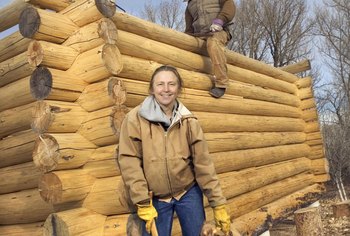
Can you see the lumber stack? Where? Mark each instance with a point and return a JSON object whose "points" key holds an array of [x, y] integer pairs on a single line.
{"points": [[76, 72]]}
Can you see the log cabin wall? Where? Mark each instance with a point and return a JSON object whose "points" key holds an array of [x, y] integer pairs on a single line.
{"points": [[72, 72]]}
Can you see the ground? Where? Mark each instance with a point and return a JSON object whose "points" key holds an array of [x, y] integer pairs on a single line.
{"points": [[331, 226]]}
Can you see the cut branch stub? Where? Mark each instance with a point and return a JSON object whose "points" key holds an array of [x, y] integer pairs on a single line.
{"points": [[40, 83], [106, 7], [117, 90], [29, 22]]}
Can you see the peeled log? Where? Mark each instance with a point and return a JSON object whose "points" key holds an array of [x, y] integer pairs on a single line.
{"points": [[308, 222], [220, 142], [46, 83], [56, 116], [103, 94], [304, 82], [244, 123], [193, 44], [141, 69], [61, 151], [86, 11], [305, 93], [12, 45], [98, 63], [78, 221], [103, 163], [241, 159], [18, 177], [310, 115], [105, 197], [93, 35], [257, 219], [102, 127], [14, 69], [138, 46], [35, 229], [15, 119], [196, 100], [308, 103], [253, 178], [23, 207], [320, 166], [65, 186], [298, 67], [312, 126], [51, 55], [45, 25], [15, 94], [17, 148]]}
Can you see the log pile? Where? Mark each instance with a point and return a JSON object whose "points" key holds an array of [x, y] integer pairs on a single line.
{"points": [[76, 70]]}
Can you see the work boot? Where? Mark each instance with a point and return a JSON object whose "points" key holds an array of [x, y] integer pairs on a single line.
{"points": [[217, 92]]}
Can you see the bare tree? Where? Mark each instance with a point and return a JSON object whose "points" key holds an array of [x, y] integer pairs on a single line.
{"points": [[168, 13], [276, 31], [333, 21]]}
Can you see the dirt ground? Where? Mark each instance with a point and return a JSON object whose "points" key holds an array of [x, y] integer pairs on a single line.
{"points": [[331, 226]]}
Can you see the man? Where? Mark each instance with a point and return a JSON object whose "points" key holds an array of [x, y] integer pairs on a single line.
{"points": [[209, 20]]}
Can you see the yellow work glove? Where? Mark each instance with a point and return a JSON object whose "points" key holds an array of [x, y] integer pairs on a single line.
{"points": [[147, 213], [222, 219]]}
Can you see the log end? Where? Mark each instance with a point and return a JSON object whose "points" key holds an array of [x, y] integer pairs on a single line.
{"points": [[107, 30], [50, 188], [29, 22], [112, 58], [106, 7], [117, 117], [35, 53], [46, 154], [42, 117], [40, 83], [117, 90]]}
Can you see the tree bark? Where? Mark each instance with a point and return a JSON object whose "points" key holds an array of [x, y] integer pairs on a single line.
{"points": [[34, 229], [103, 162], [45, 25], [65, 186], [298, 67], [308, 222], [93, 35], [12, 45], [17, 148], [14, 69], [156, 32], [141, 47], [261, 217], [78, 221], [197, 100], [23, 207], [57, 117], [87, 11], [18, 177], [51, 55], [15, 119], [61, 151], [98, 63], [102, 127], [46, 83], [341, 209]]}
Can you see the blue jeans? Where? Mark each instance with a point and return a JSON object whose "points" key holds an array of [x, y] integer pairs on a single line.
{"points": [[189, 209]]}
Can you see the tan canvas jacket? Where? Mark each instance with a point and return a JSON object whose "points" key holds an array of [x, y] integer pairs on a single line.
{"points": [[166, 162]]}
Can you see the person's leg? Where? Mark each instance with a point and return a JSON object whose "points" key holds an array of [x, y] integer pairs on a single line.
{"points": [[216, 50], [190, 211], [164, 221]]}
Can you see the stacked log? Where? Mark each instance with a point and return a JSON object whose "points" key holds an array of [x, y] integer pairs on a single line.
{"points": [[76, 79]]}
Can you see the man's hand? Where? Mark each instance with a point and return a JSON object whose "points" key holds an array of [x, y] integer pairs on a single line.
{"points": [[217, 25], [147, 213]]}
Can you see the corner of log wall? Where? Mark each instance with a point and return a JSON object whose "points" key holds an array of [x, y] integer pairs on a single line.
{"points": [[67, 81]]}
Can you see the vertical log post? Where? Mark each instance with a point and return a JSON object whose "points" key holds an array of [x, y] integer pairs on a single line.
{"points": [[308, 222]]}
